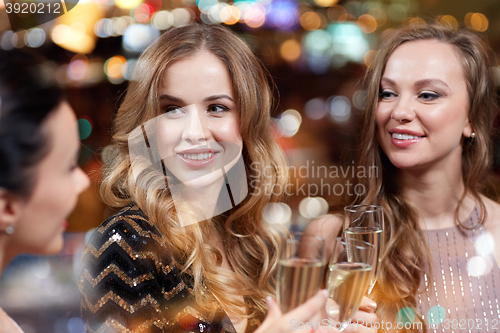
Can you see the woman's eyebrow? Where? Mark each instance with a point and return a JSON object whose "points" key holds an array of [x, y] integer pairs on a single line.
{"points": [[424, 82], [215, 97], [172, 98]]}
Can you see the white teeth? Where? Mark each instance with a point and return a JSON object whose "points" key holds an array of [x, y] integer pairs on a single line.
{"points": [[404, 136], [197, 157]]}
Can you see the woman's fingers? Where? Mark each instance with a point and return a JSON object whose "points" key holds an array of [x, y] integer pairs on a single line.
{"points": [[367, 305]]}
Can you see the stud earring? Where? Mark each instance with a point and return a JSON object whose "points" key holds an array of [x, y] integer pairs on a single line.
{"points": [[10, 230], [473, 135]]}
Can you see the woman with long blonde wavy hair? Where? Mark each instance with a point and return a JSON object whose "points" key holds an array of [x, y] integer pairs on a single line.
{"points": [[431, 104], [191, 162]]}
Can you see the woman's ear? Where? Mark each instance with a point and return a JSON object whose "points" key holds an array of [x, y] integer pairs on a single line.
{"points": [[467, 132], [10, 210]]}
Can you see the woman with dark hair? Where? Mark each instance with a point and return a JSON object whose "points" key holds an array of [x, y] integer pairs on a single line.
{"points": [[431, 105], [190, 162], [39, 176]]}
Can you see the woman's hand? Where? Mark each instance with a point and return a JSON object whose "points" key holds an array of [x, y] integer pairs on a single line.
{"points": [[364, 319], [296, 320]]}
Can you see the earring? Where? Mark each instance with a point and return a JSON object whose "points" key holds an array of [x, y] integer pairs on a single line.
{"points": [[10, 230], [473, 135]]}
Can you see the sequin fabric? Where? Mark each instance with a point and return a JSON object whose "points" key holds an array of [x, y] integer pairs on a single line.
{"points": [[130, 283], [461, 295]]}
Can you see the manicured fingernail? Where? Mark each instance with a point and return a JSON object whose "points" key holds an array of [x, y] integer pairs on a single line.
{"points": [[372, 305], [269, 302], [325, 293]]}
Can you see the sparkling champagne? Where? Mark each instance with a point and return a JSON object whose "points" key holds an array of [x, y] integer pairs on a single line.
{"points": [[298, 280], [372, 235], [347, 284]]}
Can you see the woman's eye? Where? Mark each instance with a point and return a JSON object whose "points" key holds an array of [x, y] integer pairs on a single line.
{"points": [[173, 109], [384, 94], [217, 108], [428, 96]]}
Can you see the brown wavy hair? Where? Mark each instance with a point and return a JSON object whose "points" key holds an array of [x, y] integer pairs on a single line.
{"points": [[404, 258], [250, 244]]}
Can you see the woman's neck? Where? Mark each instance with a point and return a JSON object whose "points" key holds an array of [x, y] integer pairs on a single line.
{"points": [[436, 193]]}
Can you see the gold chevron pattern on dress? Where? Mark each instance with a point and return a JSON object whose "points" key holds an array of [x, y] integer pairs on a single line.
{"points": [[154, 295], [112, 268], [132, 254], [143, 328], [113, 297]]}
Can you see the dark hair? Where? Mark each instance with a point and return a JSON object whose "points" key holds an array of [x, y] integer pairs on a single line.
{"points": [[27, 98]]}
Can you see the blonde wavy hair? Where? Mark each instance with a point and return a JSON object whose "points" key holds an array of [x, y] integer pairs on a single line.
{"points": [[405, 259], [250, 244]]}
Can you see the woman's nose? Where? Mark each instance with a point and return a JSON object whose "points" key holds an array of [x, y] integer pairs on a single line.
{"points": [[403, 110], [194, 130]]}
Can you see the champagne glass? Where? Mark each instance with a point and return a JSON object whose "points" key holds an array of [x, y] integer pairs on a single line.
{"points": [[349, 276], [366, 223], [300, 270]]}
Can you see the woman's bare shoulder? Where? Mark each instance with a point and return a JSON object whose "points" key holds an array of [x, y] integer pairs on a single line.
{"points": [[492, 210]]}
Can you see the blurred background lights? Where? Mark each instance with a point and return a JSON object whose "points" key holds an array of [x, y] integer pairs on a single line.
{"points": [[277, 213], [367, 23], [35, 37], [76, 32], [359, 99], [128, 69], [230, 15], [60, 33], [313, 207], [479, 266], [205, 5], [255, 16], [449, 21], [78, 68], [317, 41], [339, 108], [113, 67], [143, 13], [138, 36], [348, 40], [182, 17], [119, 26], [369, 57], [476, 22], [162, 20], [326, 3], [8, 40], [127, 4], [214, 14], [289, 123], [315, 108], [84, 127], [290, 50], [283, 14], [312, 21]]}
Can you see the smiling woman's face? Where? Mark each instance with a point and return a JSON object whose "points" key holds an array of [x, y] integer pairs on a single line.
{"points": [[198, 134], [422, 114]]}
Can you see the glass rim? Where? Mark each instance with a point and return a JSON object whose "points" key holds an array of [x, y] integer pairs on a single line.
{"points": [[370, 208], [295, 233]]}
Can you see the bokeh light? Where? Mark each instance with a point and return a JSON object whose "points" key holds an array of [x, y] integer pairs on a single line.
{"points": [[78, 67], [367, 23], [182, 16], [369, 57], [113, 67], [339, 108], [277, 213], [289, 123], [84, 128], [138, 36], [479, 22], [312, 21], [479, 266], [35, 37], [162, 20], [290, 50], [313, 207], [127, 4], [326, 3], [142, 13], [359, 99], [8, 40], [60, 33], [449, 21], [230, 15], [255, 16], [315, 108]]}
